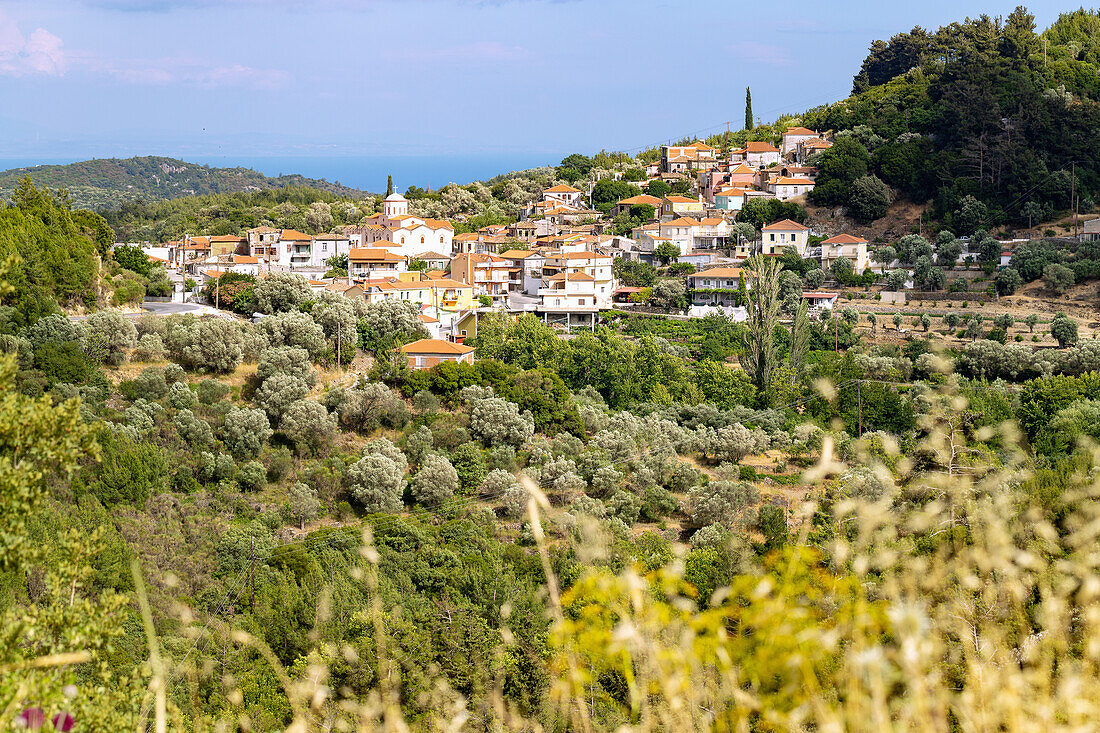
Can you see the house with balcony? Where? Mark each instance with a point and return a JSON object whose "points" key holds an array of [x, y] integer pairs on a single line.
{"points": [[685, 158], [439, 293], [716, 286], [776, 237], [525, 271], [596, 266], [844, 245], [295, 249], [370, 262], [488, 274], [435, 260], [570, 299], [808, 148]]}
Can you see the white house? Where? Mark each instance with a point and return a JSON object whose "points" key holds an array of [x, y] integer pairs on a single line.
{"points": [[326, 246], [716, 286], [413, 235], [367, 262], [845, 245], [782, 234], [526, 269], [787, 188], [562, 193], [597, 267], [760, 154], [793, 137]]}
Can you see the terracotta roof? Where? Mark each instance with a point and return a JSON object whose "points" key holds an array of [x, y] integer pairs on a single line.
{"points": [[786, 225], [294, 236], [742, 170], [642, 199], [427, 319], [575, 276], [712, 221], [515, 254], [718, 272], [820, 295], [561, 188], [761, 147], [432, 256], [340, 287], [262, 230], [225, 238], [799, 131], [683, 221], [436, 346], [844, 239], [785, 181], [681, 200], [373, 254], [731, 192]]}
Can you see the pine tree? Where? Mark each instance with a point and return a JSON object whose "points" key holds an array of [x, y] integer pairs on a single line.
{"points": [[748, 108], [389, 185]]}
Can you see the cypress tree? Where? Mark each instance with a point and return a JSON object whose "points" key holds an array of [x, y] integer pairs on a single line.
{"points": [[389, 185], [748, 109]]}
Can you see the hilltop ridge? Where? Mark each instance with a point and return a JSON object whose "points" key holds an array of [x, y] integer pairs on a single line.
{"points": [[107, 183]]}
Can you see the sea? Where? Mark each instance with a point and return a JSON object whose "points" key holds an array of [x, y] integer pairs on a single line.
{"points": [[363, 172]]}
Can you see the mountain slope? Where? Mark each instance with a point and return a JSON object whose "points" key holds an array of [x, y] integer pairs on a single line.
{"points": [[109, 182]]}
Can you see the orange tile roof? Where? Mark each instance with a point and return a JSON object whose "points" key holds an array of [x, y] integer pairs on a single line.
{"points": [[683, 221], [642, 199], [681, 200], [436, 346], [844, 239], [575, 276], [799, 131], [292, 235], [786, 225], [784, 181], [373, 254], [712, 221], [225, 238], [742, 170], [561, 188], [718, 272], [761, 147], [516, 253]]}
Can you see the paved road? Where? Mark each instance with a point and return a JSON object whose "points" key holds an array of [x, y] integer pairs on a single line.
{"points": [[169, 309]]}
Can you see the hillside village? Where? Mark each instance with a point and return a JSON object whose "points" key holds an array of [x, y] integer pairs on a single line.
{"points": [[568, 258]]}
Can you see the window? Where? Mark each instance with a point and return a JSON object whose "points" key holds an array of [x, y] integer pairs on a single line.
{"points": [[772, 237], [580, 301], [422, 240]]}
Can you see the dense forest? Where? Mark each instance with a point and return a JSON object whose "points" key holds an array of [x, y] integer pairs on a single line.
{"points": [[107, 183]]}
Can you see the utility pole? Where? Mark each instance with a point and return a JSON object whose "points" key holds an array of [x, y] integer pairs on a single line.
{"points": [[252, 574], [339, 343], [1073, 192], [859, 408], [218, 281]]}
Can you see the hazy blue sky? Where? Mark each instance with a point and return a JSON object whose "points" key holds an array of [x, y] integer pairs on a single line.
{"points": [[85, 78]]}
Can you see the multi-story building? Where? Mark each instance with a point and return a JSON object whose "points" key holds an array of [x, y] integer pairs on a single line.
{"points": [[776, 237], [596, 266], [844, 245], [488, 274], [412, 235], [787, 188], [679, 205], [795, 136], [525, 271], [369, 262], [716, 286]]}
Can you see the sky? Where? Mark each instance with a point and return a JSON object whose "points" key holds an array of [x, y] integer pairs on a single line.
{"points": [[250, 79]]}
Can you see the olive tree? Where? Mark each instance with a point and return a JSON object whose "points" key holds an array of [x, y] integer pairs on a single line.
{"points": [[336, 316], [281, 291], [295, 329], [377, 482], [244, 431], [1063, 329], [113, 333], [722, 502], [496, 421], [304, 505], [181, 397], [435, 482], [290, 360], [308, 425], [1058, 278], [278, 393], [56, 329], [390, 320], [215, 344], [373, 404], [193, 430]]}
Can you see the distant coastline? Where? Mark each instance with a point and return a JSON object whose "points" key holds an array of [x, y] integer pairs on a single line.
{"points": [[364, 172]]}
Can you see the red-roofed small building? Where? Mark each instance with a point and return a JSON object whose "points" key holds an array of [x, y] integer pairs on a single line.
{"points": [[788, 188], [427, 353], [562, 193], [793, 137]]}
